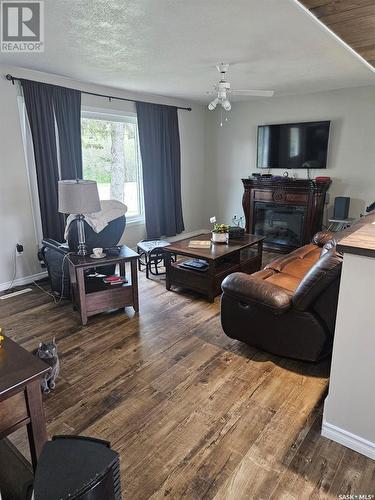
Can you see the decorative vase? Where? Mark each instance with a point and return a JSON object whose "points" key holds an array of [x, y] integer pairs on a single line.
{"points": [[220, 237]]}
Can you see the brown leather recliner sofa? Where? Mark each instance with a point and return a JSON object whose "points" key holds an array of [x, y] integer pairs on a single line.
{"points": [[289, 307]]}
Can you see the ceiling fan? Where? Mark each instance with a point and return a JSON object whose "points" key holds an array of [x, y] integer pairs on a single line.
{"points": [[222, 90]]}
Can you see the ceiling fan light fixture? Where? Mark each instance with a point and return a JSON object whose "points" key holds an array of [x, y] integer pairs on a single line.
{"points": [[223, 90], [222, 94], [222, 67], [226, 105], [213, 104]]}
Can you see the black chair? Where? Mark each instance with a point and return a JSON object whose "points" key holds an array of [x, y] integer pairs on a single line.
{"points": [[152, 254], [77, 467], [54, 253]]}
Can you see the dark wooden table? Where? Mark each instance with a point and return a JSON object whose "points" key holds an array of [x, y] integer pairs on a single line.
{"points": [[91, 296], [243, 255], [21, 396]]}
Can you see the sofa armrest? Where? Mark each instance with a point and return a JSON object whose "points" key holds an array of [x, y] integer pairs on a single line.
{"points": [[326, 270], [54, 245], [249, 290], [323, 237]]}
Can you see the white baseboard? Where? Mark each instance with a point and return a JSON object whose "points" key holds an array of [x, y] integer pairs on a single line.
{"points": [[25, 280], [348, 439]]}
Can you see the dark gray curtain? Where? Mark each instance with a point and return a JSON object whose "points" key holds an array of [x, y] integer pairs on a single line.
{"points": [[48, 106], [39, 106], [159, 141], [67, 105]]}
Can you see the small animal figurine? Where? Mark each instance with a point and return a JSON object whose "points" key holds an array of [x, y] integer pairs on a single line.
{"points": [[47, 351]]}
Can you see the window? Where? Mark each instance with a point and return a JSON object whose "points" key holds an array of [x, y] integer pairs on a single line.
{"points": [[110, 152]]}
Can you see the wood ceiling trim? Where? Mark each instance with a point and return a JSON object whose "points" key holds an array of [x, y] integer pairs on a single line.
{"points": [[326, 7], [362, 13], [351, 20]]}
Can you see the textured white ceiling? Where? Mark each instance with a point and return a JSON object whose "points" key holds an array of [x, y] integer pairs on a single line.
{"points": [[170, 47]]}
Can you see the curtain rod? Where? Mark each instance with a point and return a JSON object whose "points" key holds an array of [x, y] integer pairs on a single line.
{"points": [[12, 79]]}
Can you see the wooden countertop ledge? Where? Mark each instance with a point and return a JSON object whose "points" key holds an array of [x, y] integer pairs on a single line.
{"points": [[360, 242]]}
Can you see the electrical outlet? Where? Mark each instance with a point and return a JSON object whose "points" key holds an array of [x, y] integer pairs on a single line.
{"points": [[238, 220]]}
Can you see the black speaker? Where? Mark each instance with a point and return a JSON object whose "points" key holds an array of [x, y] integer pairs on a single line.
{"points": [[341, 207]]}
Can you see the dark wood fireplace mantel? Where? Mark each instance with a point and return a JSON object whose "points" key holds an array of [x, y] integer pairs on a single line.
{"points": [[297, 205]]}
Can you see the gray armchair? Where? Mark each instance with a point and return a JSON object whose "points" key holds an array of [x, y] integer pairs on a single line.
{"points": [[53, 252]]}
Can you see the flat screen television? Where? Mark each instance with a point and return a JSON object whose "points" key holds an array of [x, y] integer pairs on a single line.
{"points": [[293, 145]]}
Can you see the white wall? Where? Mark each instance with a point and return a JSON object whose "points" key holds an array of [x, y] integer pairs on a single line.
{"points": [[231, 149], [16, 222], [349, 410]]}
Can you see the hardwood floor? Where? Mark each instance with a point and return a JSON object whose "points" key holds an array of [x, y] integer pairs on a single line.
{"points": [[192, 413]]}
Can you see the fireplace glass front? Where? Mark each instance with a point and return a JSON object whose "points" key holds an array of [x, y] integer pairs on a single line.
{"points": [[280, 224]]}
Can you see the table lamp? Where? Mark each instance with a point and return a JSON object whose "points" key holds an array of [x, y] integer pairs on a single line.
{"points": [[79, 197]]}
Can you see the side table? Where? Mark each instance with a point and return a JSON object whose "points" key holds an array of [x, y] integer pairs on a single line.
{"points": [[91, 295], [21, 395]]}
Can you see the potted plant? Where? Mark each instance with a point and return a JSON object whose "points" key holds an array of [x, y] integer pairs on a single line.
{"points": [[220, 233]]}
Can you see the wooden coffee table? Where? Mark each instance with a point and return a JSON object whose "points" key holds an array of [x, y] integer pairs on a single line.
{"points": [[243, 255]]}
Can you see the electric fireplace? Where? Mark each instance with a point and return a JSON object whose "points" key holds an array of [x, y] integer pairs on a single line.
{"points": [[280, 224], [288, 212]]}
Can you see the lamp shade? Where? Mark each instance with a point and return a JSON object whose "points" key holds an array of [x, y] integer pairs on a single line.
{"points": [[78, 197]]}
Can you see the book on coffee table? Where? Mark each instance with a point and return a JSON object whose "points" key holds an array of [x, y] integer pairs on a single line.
{"points": [[199, 244], [196, 264]]}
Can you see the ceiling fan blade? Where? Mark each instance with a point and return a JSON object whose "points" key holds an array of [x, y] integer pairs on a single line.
{"points": [[255, 93]]}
